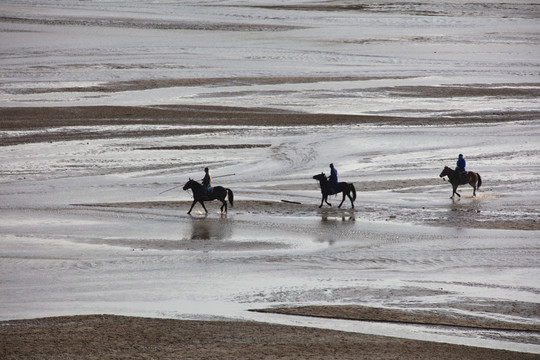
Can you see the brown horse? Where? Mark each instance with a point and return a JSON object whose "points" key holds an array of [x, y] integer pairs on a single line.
{"points": [[470, 178], [346, 188], [200, 195]]}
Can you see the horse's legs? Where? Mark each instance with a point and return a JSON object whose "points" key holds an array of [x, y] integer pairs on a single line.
{"points": [[350, 198], [473, 184], [224, 205], [204, 207], [192, 205], [326, 200], [342, 200], [455, 192]]}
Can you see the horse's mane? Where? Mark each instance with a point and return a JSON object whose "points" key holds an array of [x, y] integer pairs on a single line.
{"points": [[195, 182]]}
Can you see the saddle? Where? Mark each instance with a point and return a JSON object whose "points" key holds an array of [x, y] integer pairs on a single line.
{"points": [[207, 194], [463, 178], [331, 190]]}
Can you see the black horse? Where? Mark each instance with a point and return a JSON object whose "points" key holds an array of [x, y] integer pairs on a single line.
{"points": [[200, 195], [342, 187], [470, 178]]}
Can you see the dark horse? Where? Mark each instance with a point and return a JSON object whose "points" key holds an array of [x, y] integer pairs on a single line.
{"points": [[470, 178], [200, 195], [341, 187]]}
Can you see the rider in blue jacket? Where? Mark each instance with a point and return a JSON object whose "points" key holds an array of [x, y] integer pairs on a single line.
{"points": [[333, 176], [461, 163], [460, 166]]}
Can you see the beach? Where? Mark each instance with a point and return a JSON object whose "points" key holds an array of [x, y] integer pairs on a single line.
{"points": [[108, 108]]}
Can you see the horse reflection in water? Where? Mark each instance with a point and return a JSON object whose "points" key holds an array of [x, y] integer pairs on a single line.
{"points": [[334, 216], [210, 229]]}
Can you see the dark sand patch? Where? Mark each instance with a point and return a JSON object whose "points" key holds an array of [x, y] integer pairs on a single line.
{"points": [[417, 8], [144, 23], [146, 84], [52, 124], [207, 147], [26, 118], [118, 337], [426, 317], [525, 91]]}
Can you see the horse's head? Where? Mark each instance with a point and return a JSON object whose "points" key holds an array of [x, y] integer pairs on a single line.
{"points": [[189, 184], [446, 171], [320, 177]]}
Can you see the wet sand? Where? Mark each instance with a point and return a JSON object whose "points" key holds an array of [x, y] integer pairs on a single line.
{"points": [[118, 337]]}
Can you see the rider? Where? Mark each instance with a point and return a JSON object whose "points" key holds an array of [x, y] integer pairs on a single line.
{"points": [[333, 176], [207, 180], [460, 167]]}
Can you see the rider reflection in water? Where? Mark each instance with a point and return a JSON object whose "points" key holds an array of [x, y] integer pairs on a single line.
{"points": [[333, 176], [207, 180]]}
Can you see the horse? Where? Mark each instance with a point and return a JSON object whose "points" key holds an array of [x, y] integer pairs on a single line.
{"points": [[341, 187], [470, 178], [201, 195]]}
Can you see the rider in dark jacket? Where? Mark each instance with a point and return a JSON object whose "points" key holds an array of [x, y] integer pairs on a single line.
{"points": [[207, 179]]}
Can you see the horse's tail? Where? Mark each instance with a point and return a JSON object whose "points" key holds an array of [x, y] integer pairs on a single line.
{"points": [[353, 190], [231, 196], [479, 181]]}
